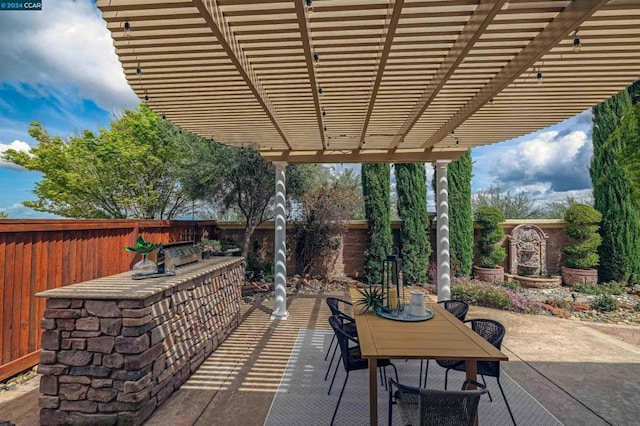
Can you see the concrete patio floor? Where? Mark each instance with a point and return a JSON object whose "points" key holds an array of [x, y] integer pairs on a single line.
{"points": [[582, 375]]}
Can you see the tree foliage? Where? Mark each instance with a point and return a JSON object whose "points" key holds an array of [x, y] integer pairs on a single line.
{"points": [[490, 253], [583, 228], [377, 205], [612, 191], [239, 179], [415, 247], [3, 215], [461, 221], [127, 171], [323, 220], [513, 206]]}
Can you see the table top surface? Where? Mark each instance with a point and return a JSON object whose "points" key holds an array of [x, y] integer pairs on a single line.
{"points": [[442, 337], [122, 286]]}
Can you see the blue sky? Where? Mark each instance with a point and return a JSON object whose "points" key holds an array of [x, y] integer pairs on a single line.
{"points": [[59, 68]]}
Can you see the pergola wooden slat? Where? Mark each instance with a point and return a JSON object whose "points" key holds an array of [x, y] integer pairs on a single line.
{"points": [[395, 80]]}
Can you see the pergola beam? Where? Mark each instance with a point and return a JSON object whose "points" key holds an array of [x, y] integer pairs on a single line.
{"points": [[568, 20], [391, 32], [305, 37], [473, 29], [363, 156], [219, 26]]}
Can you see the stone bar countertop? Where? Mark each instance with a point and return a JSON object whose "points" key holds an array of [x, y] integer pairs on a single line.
{"points": [[122, 286]]}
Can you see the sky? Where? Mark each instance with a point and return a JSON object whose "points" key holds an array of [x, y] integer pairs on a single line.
{"points": [[59, 68]]}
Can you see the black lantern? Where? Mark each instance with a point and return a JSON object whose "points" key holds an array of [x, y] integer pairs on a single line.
{"points": [[391, 286]]}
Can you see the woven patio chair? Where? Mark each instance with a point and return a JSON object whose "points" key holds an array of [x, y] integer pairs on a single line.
{"points": [[493, 332], [458, 309], [349, 327], [351, 357], [420, 407]]}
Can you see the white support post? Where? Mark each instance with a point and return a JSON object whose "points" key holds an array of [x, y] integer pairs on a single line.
{"points": [[442, 236], [280, 249]]}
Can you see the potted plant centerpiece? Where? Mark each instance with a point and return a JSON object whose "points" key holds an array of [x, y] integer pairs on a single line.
{"points": [[489, 253], [210, 247], [145, 266], [581, 257]]}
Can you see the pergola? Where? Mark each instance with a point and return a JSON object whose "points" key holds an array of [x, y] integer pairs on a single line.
{"points": [[352, 81]]}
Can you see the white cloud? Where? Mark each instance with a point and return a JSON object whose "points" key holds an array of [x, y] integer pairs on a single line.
{"points": [[556, 158], [66, 46], [15, 145], [18, 211]]}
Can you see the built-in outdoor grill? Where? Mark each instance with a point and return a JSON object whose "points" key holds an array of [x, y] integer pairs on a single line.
{"points": [[178, 254]]}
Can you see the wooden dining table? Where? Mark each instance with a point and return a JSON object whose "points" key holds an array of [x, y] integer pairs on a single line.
{"points": [[441, 337]]}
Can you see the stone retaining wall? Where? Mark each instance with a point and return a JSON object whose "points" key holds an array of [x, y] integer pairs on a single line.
{"points": [[115, 361]]}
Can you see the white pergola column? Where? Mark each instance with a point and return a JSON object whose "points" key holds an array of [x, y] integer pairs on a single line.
{"points": [[442, 236], [280, 246]]}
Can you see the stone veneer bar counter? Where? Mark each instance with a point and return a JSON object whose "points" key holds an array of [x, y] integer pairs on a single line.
{"points": [[113, 349]]}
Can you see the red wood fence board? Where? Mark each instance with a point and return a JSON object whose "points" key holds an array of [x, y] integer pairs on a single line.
{"points": [[36, 255]]}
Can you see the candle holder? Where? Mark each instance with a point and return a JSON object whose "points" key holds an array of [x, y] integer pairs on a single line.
{"points": [[392, 289]]}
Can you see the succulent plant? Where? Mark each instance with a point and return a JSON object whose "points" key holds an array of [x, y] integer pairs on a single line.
{"points": [[371, 296], [142, 246]]}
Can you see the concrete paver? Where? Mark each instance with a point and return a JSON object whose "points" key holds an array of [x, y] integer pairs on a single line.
{"points": [[582, 375]]}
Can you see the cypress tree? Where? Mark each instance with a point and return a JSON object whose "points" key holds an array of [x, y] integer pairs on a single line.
{"points": [[415, 246], [377, 206], [612, 193], [461, 219], [634, 92]]}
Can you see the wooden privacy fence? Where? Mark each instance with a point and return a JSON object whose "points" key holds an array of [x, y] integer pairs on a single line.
{"points": [[37, 255]]}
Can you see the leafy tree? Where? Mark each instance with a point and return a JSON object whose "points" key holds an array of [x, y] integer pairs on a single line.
{"points": [[513, 206], [239, 179], [323, 221], [127, 171], [612, 191], [557, 209], [377, 206], [3, 215], [461, 221], [351, 181], [415, 247]]}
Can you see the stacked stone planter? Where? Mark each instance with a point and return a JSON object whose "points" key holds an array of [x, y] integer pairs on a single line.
{"points": [[114, 359]]}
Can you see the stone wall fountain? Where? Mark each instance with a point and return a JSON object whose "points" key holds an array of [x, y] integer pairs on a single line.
{"points": [[528, 258]]}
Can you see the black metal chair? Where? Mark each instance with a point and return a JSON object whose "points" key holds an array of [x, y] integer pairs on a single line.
{"points": [[349, 327], [458, 309], [419, 407], [351, 357], [493, 332]]}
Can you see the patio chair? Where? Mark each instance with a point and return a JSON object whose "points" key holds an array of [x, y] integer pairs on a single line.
{"points": [[349, 327], [458, 309], [493, 332], [351, 357], [419, 407]]}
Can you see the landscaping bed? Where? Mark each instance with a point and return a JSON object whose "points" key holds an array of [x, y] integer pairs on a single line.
{"points": [[507, 296]]}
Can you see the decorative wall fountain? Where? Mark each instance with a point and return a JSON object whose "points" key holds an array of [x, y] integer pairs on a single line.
{"points": [[528, 257]]}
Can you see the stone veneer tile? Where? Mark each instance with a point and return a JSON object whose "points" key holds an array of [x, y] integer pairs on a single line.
{"points": [[103, 344], [102, 308], [132, 345], [142, 350]]}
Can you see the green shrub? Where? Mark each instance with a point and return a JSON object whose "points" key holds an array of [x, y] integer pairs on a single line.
{"points": [[511, 285], [604, 303], [606, 288], [561, 303], [490, 253], [583, 229]]}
